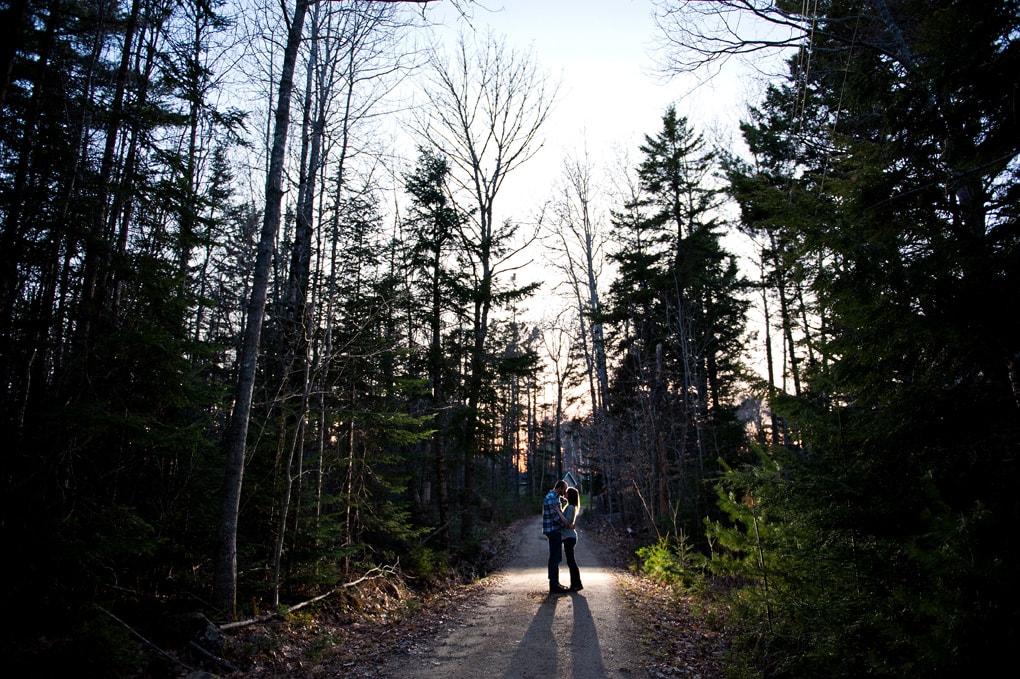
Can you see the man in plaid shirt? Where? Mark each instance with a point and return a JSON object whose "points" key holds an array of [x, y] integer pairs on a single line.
{"points": [[552, 521]]}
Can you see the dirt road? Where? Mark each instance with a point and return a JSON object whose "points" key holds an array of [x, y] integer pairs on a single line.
{"points": [[519, 630]]}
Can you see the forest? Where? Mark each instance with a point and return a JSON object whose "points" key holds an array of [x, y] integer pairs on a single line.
{"points": [[252, 347]]}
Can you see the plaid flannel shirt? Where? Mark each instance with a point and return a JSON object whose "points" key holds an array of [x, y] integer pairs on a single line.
{"points": [[550, 517]]}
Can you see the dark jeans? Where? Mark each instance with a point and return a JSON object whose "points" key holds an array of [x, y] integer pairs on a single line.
{"points": [[555, 555], [575, 573]]}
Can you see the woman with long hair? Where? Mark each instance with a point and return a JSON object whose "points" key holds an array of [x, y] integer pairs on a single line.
{"points": [[571, 512]]}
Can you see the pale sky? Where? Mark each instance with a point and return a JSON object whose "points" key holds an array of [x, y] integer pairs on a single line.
{"points": [[602, 53]]}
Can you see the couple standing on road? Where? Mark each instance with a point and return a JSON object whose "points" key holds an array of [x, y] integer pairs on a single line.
{"points": [[558, 524]]}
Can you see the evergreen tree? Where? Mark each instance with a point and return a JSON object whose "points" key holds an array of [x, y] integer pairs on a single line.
{"points": [[372, 387], [677, 302], [894, 501], [107, 406], [439, 294]]}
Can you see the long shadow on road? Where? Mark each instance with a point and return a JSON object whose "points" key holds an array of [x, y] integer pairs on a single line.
{"points": [[537, 653], [585, 636], [537, 650], [519, 631]]}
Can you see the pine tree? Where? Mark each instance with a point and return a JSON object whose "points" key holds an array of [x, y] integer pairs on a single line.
{"points": [[440, 292], [887, 195], [677, 300]]}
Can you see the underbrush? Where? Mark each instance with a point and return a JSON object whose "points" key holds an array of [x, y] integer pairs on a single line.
{"points": [[672, 561], [328, 619]]}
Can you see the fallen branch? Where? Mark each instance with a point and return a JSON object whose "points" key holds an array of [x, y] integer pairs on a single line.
{"points": [[372, 574], [209, 656], [145, 641]]}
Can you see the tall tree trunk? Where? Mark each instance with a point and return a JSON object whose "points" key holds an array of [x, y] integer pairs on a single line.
{"points": [[97, 245], [17, 372], [122, 208], [483, 301], [436, 364], [225, 577], [349, 493], [294, 452], [785, 316], [294, 367], [770, 366]]}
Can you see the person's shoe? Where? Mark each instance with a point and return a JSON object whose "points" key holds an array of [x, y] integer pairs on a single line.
{"points": [[576, 588], [558, 589]]}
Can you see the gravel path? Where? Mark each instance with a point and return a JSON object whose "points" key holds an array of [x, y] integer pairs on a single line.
{"points": [[518, 630]]}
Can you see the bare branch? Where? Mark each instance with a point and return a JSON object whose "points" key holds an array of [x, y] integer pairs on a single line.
{"points": [[698, 33], [488, 104], [694, 34], [372, 574], [145, 641]]}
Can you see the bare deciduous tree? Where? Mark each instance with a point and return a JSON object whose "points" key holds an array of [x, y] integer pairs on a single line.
{"points": [[577, 243], [487, 106], [225, 579]]}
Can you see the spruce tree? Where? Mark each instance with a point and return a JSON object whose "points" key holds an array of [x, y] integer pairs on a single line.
{"points": [[439, 298], [677, 305], [888, 195]]}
